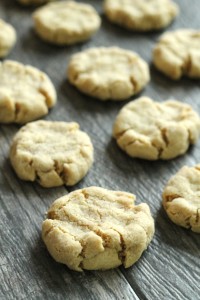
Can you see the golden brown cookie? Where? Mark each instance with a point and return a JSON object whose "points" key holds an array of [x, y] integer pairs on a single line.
{"points": [[7, 38], [108, 73], [141, 15], [153, 130], [26, 93], [177, 54], [66, 22], [181, 198], [52, 153], [94, 228]]}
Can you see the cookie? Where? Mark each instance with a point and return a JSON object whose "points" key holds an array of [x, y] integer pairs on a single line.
{"points": [[152, 130], [66, 22], [26, 93], [33, 2], [94, 228], [53, 153], [181, 198], [177, 54], [141, 15], [7, 38], [108, 73]]}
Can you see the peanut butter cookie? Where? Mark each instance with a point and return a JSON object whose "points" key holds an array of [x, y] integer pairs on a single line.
{"points": [[108, 73], [177, 54], [7, 38], [181, 198], [152, 130], [95, 228], [26, 93], [66, 22], [53, 153], [141, 15]]}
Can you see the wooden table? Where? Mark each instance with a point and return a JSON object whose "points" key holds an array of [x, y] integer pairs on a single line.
{"points": [[170, 268]]}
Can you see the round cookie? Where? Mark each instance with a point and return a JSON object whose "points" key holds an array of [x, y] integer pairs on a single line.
{"points": [[181, 198], [53, 153], [34, 2], [7, 38], [177, 54], [141, 15], [26, 93], [66, 22], [152, 130], [94, 228], [108, 73]]}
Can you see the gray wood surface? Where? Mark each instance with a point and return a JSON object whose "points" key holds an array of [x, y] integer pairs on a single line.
{"points": [[170, 268]]}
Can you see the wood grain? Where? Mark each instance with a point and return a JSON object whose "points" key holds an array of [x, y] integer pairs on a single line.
{"points": [[170, 268]]}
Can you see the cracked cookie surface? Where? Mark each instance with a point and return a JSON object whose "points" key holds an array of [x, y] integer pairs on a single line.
{"points": [[152, 130], [94, 228], [181, 198], [7, 38], [108, 73], [66, 22], [53, 153], [26, 93], [177, 54], [141, 15]]}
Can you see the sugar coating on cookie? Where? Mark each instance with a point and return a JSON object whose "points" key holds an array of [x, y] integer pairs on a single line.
{"points": [[141, 15], [52, 153], [34, 2], [181, 198], [177, 54], [7, 38], [153, 130], [108, 73], [94, 228], [26, 93], [66, 22]]}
